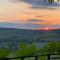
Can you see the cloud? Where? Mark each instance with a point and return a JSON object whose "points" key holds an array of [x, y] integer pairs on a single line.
{"points": [[38, 4], [27, 25], [15, 11], [28, 1], [34, 20], [43, 7], [20, 26], [11, 10]]}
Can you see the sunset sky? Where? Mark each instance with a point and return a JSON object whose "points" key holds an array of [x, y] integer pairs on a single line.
{"points": [[28, 14]]}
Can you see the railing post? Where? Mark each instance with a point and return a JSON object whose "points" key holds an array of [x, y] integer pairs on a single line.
{"points": [[48, 56], [22, 58], [36, 57]]}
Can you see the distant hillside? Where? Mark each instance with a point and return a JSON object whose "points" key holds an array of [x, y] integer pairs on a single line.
{"points": [[26, 35]]}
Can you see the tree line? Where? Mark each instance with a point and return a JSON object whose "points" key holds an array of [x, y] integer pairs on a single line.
{"points": [[31, 50]]}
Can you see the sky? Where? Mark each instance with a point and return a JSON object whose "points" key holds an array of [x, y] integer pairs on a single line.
{"points": [[29, 14]]}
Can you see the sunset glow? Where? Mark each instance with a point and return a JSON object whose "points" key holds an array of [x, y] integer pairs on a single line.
{"points": [[14, 11], [46, 28]]}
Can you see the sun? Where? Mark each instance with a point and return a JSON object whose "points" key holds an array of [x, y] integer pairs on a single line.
{"points": [[46, 28]]}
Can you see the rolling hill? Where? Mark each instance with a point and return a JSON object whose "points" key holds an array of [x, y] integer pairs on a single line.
{"points": [[11, 37], [12, 34]]}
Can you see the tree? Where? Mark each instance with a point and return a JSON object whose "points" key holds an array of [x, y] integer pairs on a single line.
{"points": [[58, 0], [51, 47], [26, 50], [50, 1], [31, 50], [4, 52]]}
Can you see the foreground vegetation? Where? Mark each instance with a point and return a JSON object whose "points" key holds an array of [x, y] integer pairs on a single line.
{"points": [[29, 50]]}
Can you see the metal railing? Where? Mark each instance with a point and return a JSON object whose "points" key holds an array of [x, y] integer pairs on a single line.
{"points": [[49, 57]]}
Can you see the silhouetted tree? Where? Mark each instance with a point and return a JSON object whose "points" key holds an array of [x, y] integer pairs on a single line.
{"points": [[50, 1], [58, 0]]}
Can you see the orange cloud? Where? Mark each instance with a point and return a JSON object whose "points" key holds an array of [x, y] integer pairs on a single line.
{"points": [[20, 13]]}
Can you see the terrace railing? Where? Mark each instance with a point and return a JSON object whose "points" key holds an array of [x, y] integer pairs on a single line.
{"points": [[49, 57]]}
